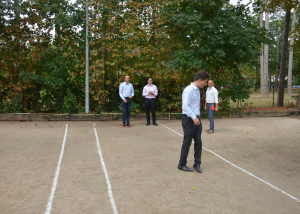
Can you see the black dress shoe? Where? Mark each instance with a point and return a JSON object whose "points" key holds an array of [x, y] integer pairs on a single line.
{"points": [[128, 125], [155, 124], [147, 124], [185, 168], [197, 168], [124, 125]]}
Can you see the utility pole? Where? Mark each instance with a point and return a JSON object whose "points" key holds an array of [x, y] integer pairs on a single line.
{"points": [[262, 54], [87, 99]]}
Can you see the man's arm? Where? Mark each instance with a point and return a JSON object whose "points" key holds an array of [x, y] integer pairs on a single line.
{"points": [[132, 91], [186, 99], [144, 94], [121, 91], [216, 99], [155, 92]]}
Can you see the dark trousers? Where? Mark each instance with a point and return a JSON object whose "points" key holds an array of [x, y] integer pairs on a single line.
{"points": [[150, 104], [191, 131], [126, 107]]}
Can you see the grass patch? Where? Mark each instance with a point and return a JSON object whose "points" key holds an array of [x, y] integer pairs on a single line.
{"points": [[258, 100]]}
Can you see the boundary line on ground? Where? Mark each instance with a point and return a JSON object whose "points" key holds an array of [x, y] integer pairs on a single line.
{"points": [[249, 173], [110, 194], [49, 204]]}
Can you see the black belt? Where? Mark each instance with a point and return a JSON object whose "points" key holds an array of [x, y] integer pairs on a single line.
{"points": [[195, 115], [210, 103], [150, 98], [126, 97]]}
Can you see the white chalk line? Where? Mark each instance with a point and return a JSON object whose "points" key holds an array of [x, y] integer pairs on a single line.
{"points": [[249, 173], [49, 204], [94, 124], [112, 201]]}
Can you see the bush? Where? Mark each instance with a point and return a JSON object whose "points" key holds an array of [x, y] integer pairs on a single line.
{"points": [[69, 102]]}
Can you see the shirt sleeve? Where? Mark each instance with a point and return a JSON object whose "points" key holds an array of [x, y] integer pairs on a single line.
{"points": [[121, 91], [186, 100], [155, 91], [206, 95], [132, 90], [144, 92], [216, 96]]}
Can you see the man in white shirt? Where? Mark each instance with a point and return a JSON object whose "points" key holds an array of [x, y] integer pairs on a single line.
{"points": [[192, 126], [211, 104], [126, 93], [150, 92]]}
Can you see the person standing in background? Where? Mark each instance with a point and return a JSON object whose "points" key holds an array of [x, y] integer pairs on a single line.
{"points": [[126, 93], [211, 104], [150, 92]]}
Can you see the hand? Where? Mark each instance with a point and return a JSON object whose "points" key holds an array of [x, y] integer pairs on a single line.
{"points": [[196, 122], [217, 109], [130, 97], [149, 92], [204, 107], [125, 101]]}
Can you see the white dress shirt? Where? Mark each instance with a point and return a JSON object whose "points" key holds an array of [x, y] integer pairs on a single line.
{"points": [[149, 88], [212, 95], [126, 90], [191, 101]]}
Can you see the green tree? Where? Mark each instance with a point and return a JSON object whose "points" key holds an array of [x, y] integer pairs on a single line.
{"points": [[217, 37]]}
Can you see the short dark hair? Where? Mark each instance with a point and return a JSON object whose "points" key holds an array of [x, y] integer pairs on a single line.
{"points": [[150, 78], [203, 75]]}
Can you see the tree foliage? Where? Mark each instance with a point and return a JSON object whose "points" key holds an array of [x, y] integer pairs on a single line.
{"points": [[43, 51]]}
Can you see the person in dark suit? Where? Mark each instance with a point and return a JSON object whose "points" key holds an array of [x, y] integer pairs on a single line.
{"points": [[150, 93], [191, 123]]}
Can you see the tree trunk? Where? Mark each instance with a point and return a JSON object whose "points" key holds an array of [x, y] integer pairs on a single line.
{"points": [[270, 73], [262, 55], [291, 55], [277, 56], [266, 59], [298, 101], [283, 58]]}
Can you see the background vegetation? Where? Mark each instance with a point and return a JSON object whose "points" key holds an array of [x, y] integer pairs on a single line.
{"points": [[42, 49]]}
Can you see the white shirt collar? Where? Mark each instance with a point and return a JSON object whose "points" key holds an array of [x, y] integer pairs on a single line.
{"points": [[194, 87]]}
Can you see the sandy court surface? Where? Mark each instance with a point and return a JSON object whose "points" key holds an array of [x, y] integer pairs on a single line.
{"points": [[142, 167]]}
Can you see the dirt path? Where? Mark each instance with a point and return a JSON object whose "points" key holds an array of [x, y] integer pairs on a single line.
{"points": [[142, 167]]}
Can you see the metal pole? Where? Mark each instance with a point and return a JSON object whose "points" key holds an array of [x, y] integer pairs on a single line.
{"points": [[87, 102], [273, 95], [270, 77], [270, 81]]}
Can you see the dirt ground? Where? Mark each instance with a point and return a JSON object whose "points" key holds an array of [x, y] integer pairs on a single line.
{"points": [[141, 163]]}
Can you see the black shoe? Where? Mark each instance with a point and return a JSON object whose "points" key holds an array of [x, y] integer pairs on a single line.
{"points": [[155, 124], [197, 168], [185, 168], [128, 125], [147, 124], [124, 125]]}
